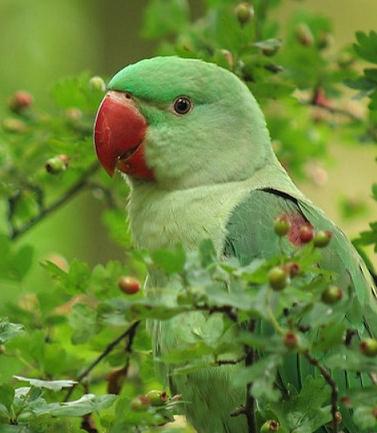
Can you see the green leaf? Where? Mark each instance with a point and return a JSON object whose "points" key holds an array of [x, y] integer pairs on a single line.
{"points": [[262, 375], [88, 403], [170, 261], [366, 46], [305, 412], [164, 17], [53, 385], [83, 321], [9, 330], [6, 395], [76, 92], [374, 191], [207, 252]]}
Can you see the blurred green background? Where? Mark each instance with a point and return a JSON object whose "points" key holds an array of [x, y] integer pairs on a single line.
{"points": [[43, 40]]}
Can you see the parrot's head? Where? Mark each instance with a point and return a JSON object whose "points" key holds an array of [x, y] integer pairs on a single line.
{"points": [[180, 123]]}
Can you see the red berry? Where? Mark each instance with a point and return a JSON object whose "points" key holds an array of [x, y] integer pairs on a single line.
{"points": [[346, 401], [20, 101], [332, 295], [14, 125], [322, 238], [244, 12], [278, 278], [282, 225], [306, 233], [368, 347], [129, 285], [292, 268], [290, 340]]}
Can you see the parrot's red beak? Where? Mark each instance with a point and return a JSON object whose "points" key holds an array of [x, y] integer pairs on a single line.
{"points": [[119, 133]]}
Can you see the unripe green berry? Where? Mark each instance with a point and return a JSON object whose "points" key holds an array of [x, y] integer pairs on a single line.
{"points": [[140, 403], [228, 56], [157, 398], [304, 35], [278, 278], [270, 426], [244, 12], [97, 83], [14, 125], [129, 285], [282, 225], [332, 295], [368, 347], [57, 164], [73, 115], [322, 238]]}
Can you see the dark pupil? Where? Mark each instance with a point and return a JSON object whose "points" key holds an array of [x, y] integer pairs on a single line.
{"points": [[182, 105]]}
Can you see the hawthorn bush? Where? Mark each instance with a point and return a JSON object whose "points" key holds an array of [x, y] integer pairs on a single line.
{"points": [[76, 356]]}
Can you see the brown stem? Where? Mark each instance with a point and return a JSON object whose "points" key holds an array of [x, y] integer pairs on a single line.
{"points": [[333, 110], [334, 389], [250, 402], [129, 332], [70, 193]]}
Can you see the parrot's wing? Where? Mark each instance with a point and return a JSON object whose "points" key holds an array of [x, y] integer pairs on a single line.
{"points": [[251, 235]]}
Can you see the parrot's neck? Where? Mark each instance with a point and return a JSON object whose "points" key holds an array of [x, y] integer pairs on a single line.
{"points": [[163, 219]]}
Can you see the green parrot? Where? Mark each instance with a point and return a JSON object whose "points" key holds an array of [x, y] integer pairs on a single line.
{"points": [[195, 149]]}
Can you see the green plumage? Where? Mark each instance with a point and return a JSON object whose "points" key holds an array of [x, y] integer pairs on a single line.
{"points": [[217, 177]]}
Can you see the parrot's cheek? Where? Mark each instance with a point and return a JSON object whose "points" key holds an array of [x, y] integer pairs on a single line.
{"points": [[119, 133]]}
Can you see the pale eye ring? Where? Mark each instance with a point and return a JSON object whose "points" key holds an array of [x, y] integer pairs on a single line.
{"points": [[182, 105]]}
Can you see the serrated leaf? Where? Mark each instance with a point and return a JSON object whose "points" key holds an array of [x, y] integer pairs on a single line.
{"points": [[83, 321], [164, 17], [170, 261], [88, 403], [366, 46], [53, 385], [304, 412], [9, 330], [262, 375]]}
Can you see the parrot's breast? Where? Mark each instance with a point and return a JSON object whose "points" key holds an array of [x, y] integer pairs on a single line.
{"points": [[163, 219]]}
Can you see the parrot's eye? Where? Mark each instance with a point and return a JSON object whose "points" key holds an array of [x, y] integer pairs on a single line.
{"points": [[182, 105]]}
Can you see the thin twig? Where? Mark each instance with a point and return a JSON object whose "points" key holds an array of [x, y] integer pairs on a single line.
{"points": [[225, 309], [333, 110], [129, 332], [70, 193], [250, 402], [334, 389]]}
